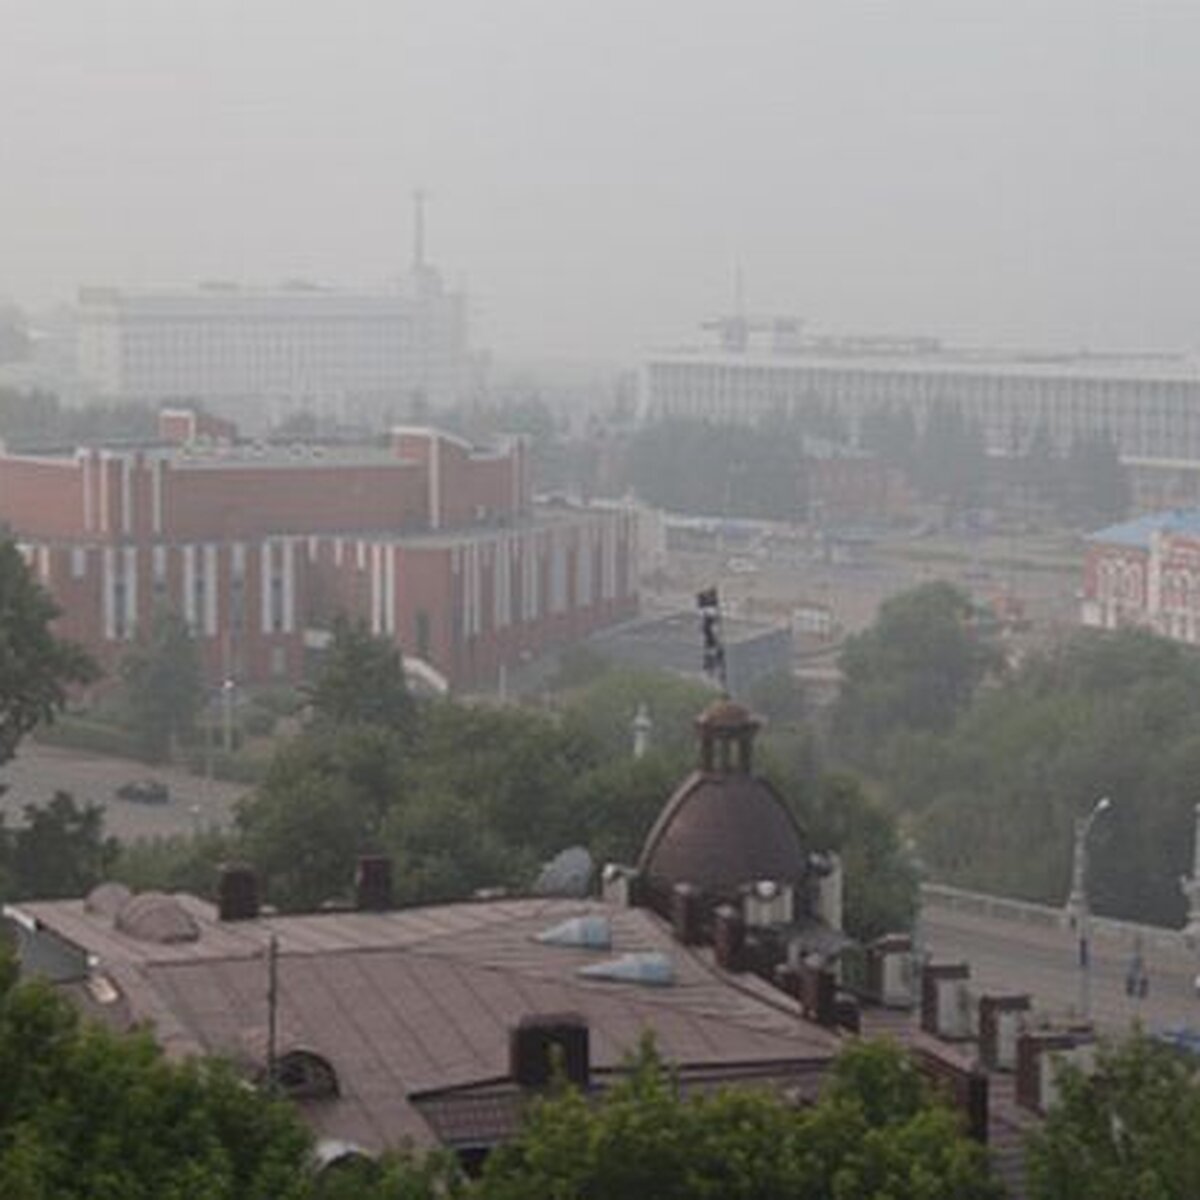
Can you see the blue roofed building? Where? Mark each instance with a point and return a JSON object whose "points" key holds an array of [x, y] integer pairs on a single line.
{"points": [[1145, 573]]}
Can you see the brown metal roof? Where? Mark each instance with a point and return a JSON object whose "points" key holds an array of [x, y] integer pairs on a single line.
{"points": [[409, 1002], [721, 830]]}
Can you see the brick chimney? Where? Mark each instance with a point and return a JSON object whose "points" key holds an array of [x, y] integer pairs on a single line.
{"points": [[373, 883], [237, 893], [538, 1042]]}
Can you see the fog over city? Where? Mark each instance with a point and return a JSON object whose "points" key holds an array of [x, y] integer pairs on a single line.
{"points": [[1007, 172]]}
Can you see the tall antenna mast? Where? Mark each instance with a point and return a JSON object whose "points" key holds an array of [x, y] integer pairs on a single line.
{"points": [[418, 258]]}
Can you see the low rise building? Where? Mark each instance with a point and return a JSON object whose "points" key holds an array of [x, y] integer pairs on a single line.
{"points": [[431, 541]]}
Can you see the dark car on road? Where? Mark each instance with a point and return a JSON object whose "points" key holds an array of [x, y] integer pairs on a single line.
{"points": [[145, 791]]}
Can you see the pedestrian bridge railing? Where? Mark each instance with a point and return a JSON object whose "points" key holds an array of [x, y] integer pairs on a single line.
{"points": [[1026, 912]]}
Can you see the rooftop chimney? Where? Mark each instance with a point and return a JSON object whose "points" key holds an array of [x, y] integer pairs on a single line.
{"points": [[373, 883], [540, 1045], [237, 893]]}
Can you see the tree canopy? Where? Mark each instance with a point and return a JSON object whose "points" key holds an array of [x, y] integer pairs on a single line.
{"points": [[993, 798], [875, 1134], [60, 851], [916, 668], [163, 684], [360, 680], [88, 1113], [36, 667], [1128, 1130]]}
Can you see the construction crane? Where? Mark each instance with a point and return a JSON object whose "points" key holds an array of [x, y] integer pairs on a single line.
{"points": [[734, 330]]}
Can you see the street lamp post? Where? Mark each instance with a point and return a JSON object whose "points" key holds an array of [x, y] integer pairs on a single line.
{"points": [[227, 697], [1078, 912]]}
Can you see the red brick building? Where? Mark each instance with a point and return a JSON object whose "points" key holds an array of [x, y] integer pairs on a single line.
{"points": [[1145, 573], [431, 541]]}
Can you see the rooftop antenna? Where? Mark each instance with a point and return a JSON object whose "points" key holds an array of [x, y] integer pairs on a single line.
{"points": [[709, 604], [418, 260]]}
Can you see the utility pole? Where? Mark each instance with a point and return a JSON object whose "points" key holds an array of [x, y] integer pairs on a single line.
{"points": [[227, 690], [272, 1009]]}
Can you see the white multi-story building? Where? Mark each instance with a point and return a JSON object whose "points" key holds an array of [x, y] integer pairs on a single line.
{"points": [[257, 354], [1148, 403]]}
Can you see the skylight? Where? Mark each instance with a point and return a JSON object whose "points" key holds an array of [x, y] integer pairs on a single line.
{"points": [[652, 968], [592, 933]]}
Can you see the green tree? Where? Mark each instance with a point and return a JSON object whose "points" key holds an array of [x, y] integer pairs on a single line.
{"points": [[916, 668], [361, 680], [59, 852], [876, 1135], [36, 667], [323, 803], [992, 800], [163, 684], [1097, 488], [1129, 1130], [88, 1113]]}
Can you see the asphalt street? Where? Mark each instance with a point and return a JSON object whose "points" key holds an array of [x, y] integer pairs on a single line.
{"points": [[1011, 956], [39, 771]]}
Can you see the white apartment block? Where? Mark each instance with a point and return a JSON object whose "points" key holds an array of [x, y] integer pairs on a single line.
{"points": [[1149, 404], [258, 354]]}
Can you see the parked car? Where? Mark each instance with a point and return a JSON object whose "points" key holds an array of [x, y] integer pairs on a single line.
{"points": [[145, 791]]}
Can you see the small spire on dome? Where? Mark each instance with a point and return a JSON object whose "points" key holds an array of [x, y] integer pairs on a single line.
{"points": [[722, 726]]}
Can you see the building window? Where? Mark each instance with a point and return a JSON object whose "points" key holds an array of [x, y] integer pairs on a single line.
{"points": [[423, 635], [78, 562], [279, 664]]}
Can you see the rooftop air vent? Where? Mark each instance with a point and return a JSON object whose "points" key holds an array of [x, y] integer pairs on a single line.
{"points": [[107, 899], [590, 933], [157, 917], [651, 968]]}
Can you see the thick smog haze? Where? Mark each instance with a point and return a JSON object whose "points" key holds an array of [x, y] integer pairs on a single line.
{"points": [[990, 171]]}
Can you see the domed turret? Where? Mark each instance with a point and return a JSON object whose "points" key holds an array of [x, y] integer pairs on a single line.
{"points": [[723, 827]]}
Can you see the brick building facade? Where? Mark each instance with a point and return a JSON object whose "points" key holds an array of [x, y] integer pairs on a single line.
{"points": [[431, 541], [1146, 574]]}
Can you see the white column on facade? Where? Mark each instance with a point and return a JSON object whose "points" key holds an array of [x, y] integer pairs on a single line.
{"points": [[1153, 580], [210, 590], [264, 562], [289, 586], [126, 494], [189, 587], [107, 590], [376, 601], [389, 601], [131, 590]]}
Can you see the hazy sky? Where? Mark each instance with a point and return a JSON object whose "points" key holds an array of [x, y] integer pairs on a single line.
{"points": [[1001, 171]]}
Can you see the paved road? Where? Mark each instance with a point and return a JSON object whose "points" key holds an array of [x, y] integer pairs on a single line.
{"points": [[38, 771], [1010, 956]]}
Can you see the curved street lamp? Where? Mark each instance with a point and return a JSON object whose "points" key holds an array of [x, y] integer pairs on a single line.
{"points": [[1078, 911]]}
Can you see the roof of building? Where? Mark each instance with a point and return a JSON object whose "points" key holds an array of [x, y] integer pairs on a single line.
{"points": [[412, 1004], [724, 827], [1138, 532], [720, 831]]}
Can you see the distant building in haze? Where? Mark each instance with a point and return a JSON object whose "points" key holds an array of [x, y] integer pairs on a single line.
{"points": [[258, 354], [1148, 403]]}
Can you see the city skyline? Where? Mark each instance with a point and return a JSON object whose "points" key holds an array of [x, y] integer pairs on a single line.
{"points": [[1007, 174]]}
